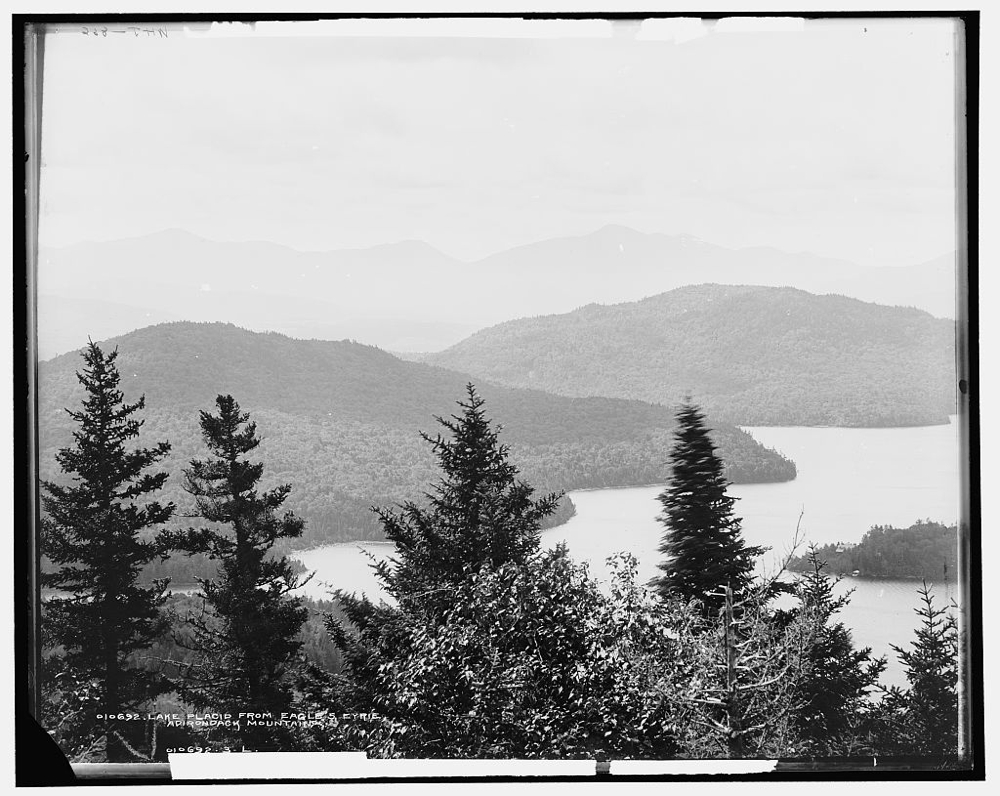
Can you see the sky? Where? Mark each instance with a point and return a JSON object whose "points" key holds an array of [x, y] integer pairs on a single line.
{"points": [[835, 137]]}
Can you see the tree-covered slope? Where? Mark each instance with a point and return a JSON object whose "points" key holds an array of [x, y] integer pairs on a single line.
{"points": [[749, 355], [927, 550], [340, 421]]}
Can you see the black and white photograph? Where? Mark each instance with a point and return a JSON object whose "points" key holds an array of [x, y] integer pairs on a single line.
{"points": [[518, 394]]}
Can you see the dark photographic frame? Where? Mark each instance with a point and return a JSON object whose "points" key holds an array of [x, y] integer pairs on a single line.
{"points": [[27, 63]]}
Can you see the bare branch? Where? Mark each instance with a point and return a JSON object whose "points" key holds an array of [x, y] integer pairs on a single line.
{"points": [[797, 539]]}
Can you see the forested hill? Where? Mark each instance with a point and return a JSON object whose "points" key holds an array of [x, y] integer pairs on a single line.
{"points": [[340, 421], [749, 355], [927, 550]]}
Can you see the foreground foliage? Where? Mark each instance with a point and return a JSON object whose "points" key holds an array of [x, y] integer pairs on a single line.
{"points": [[532, 661], [523, 654], [491, 647]]}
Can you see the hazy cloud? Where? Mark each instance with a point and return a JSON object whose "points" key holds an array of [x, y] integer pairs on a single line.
{"points": [[475, 145]]}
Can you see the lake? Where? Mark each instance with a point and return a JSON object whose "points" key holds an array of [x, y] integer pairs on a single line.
{"points": [[848, 480]]}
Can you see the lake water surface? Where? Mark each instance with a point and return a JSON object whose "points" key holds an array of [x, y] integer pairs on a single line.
{"points": [[848, 480]]}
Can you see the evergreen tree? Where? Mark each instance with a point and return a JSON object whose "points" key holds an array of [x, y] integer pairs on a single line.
{"points": [[931, 704], [97, 534], [247, 637], [479, 513], [837, 678], [702, 546]]}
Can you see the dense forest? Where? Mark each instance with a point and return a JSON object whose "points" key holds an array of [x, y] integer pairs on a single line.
{"points": [[341, 421], [751, 356], [926, 550]]}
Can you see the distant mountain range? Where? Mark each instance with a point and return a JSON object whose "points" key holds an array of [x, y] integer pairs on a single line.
{"points": [[749, 355], [409, 296], [340, 421]]}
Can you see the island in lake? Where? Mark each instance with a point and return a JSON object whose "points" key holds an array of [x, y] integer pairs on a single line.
{"points": [[927, 550]]}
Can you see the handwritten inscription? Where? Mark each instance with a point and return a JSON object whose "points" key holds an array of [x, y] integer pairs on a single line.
{"points": [[101, 31]]}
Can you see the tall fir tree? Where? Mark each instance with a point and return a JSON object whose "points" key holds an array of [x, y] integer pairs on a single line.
{"points": [[478, 515], [247, 639], [702, 547], [98, 534]]}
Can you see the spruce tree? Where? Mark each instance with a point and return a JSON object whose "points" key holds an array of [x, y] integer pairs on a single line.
{"points": [[703, 545], [932, 671], [247, 639], [97, 533], [479, 513], [838, 678]]}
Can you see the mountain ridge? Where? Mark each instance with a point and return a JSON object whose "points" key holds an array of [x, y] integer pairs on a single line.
{"points": [[433, 300], [751, 355]]}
